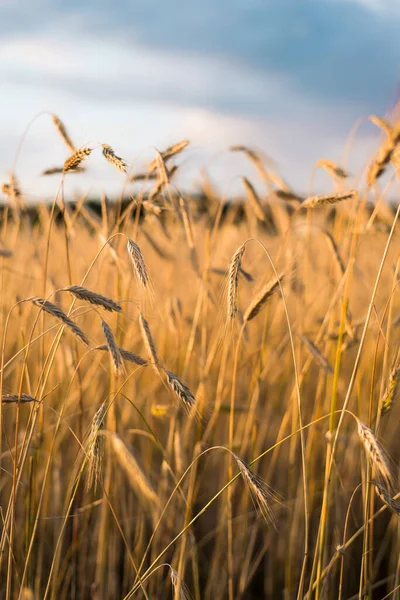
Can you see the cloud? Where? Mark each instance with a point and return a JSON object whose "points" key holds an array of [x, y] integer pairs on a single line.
{"points": [[288, 76], [332, 49]]}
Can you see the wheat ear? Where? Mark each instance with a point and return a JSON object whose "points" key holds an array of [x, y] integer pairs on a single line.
{"points": [[55, 311], [87, 295]]}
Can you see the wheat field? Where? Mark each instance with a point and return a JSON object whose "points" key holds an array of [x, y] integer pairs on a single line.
{"points": [[199, 396]]}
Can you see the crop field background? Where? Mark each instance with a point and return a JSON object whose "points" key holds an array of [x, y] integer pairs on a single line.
{"points": [[199, 396]]}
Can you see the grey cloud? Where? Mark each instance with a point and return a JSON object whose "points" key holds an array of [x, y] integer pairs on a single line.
{"points": [[328, 49]]}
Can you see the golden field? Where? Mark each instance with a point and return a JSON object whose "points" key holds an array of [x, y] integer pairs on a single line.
{"points": [[199, 397]]}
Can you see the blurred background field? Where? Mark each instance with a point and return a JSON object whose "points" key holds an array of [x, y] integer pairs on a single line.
{"points": [[249, 331]]}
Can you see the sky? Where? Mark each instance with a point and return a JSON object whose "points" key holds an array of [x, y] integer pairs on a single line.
{"points": [[290, 77]]}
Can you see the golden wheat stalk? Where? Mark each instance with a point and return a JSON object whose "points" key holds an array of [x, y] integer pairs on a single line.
{"points": [[335, 251], [112, 347], [383, 124], [391, 393], [376, 455], [5, 253], [261, 299], [392, 503], [163, 254], [57, 312], [94, 298], [136, 476], [153, 208], [184, 593], [383, 158], [326, 199], [12, 189], [162, 169], [74, 161], [245, 274], [126, 355], [332, 168], [138, 262], [178, 452], [59, 125], [252, 154], [395, 160], [16, 398], [233, 280], [94, 447], [148, 340], [167, 154], [181, 390], [187, 221], [112, 158], [289, 196], [254, 200], [56, 170], [316, 353], [262, 495]]}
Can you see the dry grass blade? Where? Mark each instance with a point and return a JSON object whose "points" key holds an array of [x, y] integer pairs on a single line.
{"points": [[138, 262], [74, 161], [59, 125], [136, 476], [86, 295], [316, 353], [376, 455], [262, 298], [254, 200], [148, 340], [94, 447], [332, 168], [126, 355], [58, 313], [391, 393], [262, 495], [326, 199], [112, 347], [233, 281], [112, 158], [181, 390], [15, 398]]}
